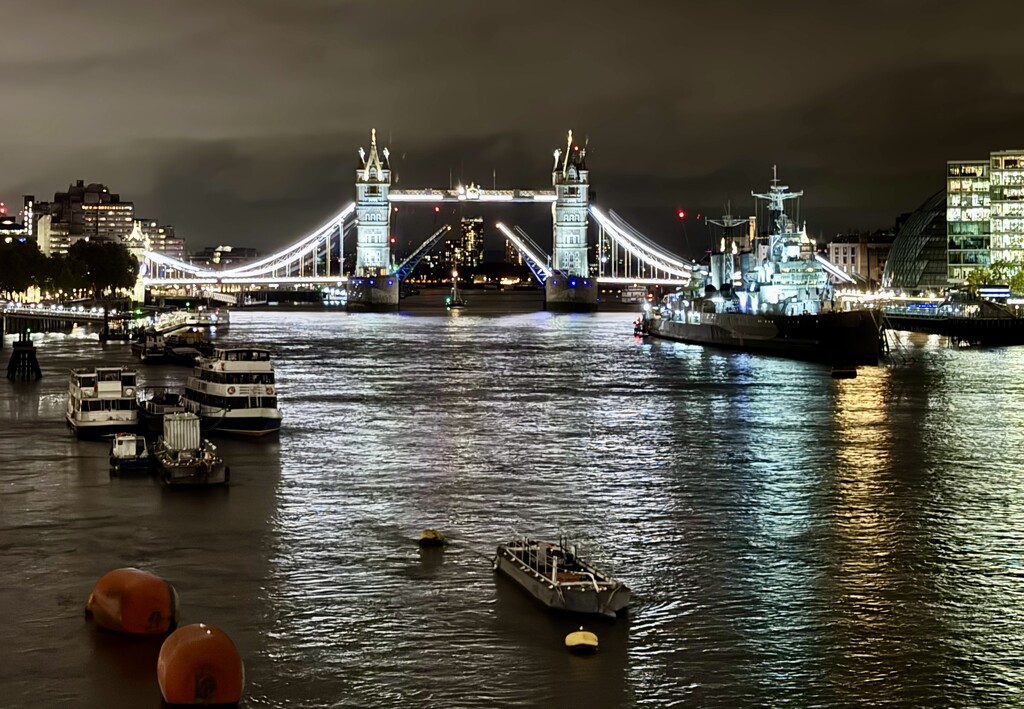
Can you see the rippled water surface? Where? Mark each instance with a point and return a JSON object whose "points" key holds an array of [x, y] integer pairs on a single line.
{"points": [[792, 540]]}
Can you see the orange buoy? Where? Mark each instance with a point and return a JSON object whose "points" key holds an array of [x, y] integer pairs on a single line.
{"points": [[199, 664], [133, 601]]}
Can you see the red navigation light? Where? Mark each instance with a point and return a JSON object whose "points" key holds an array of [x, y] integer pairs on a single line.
{"points": [[392, 239], [681, 214], [3, 208], [436, 210]]}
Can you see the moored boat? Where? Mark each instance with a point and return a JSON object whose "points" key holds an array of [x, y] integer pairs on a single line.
{"points": [[455, 300], [778, 301], [157, 402], [129, 453], [184, 458], [234, 392], [101, 402], [556, 576], [149, 346]]}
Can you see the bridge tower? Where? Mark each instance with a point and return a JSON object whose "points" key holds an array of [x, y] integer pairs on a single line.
{"points": [[374, 285], [137, 245], [570, 286]]}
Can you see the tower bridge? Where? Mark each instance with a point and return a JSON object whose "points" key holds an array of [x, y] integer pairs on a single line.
{"points": [[622, 255]]}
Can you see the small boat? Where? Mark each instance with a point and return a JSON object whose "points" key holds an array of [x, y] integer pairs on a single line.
{"points": [[101, 402], [156, 403], [455, 299], [183, 459], [150, 346], [129, 453], [556, 576]]}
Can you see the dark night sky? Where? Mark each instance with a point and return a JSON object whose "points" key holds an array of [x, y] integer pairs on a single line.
{"points": [[239, 120]]}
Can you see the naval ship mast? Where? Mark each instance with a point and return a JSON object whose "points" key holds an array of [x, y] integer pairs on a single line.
{"points": [[783, 233]]}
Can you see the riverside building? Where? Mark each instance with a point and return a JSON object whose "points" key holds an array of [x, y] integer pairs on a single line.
{"points": [[984, 212]]}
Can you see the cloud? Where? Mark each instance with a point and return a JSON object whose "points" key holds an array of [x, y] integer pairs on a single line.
{"points": [[241, 117]]}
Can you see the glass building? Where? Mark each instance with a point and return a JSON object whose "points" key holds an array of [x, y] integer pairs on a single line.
{"points": [[985, 212], [967, 217], [918, 257], [1006, 186]]}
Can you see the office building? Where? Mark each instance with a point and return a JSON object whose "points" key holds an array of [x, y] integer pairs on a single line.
{"points": [[984, 212]]}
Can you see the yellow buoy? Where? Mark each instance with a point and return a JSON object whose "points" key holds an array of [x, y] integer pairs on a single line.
{"points": [[199, 664], [133, 601], [581, 641], [432, 538]]}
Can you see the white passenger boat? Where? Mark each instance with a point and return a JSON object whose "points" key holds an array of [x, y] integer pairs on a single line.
{"points": [[556, 576], [101, 402], [234, 391]]}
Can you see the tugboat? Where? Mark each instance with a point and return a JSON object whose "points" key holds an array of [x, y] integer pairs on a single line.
{"points": [[556, 576], [233, 392], [183, 459], [101, 402], [778, 301]]}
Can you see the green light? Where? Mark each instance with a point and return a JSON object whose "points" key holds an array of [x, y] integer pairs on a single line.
{"points": [[188, 304]]}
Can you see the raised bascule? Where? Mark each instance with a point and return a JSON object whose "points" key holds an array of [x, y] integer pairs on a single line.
{"points": [[571, 274], [567, 285]]}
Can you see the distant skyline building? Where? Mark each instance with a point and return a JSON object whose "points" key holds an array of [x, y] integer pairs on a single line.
{"points": [[224, 257], [466, 250], [984, 212], [512, 254], [161, 238], [863, 256], [82, 212], [10, 226]]}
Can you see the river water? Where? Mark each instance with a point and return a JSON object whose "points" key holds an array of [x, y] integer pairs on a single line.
{"points": [[792, 540]]}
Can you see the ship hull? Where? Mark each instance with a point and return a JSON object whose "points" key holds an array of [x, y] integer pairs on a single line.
{"points": [[241, 425], [850, 337]]}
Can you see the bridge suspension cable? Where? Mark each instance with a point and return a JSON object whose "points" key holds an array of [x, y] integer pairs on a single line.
{"points": [[287, 259], [640, 247]]}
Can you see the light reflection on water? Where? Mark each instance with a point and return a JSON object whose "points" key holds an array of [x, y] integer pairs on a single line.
{"points": [[792, 540]]}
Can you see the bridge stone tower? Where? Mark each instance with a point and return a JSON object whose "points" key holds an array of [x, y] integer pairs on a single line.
{"points": [[137, 245], [374, 285], [570, 287]]}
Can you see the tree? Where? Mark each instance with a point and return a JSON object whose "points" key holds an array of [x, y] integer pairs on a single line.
{"points": [[22, 266], [105, 265], [1002, 272]]}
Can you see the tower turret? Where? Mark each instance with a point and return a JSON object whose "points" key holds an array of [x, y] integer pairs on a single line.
{"points": [[571, 180]]}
